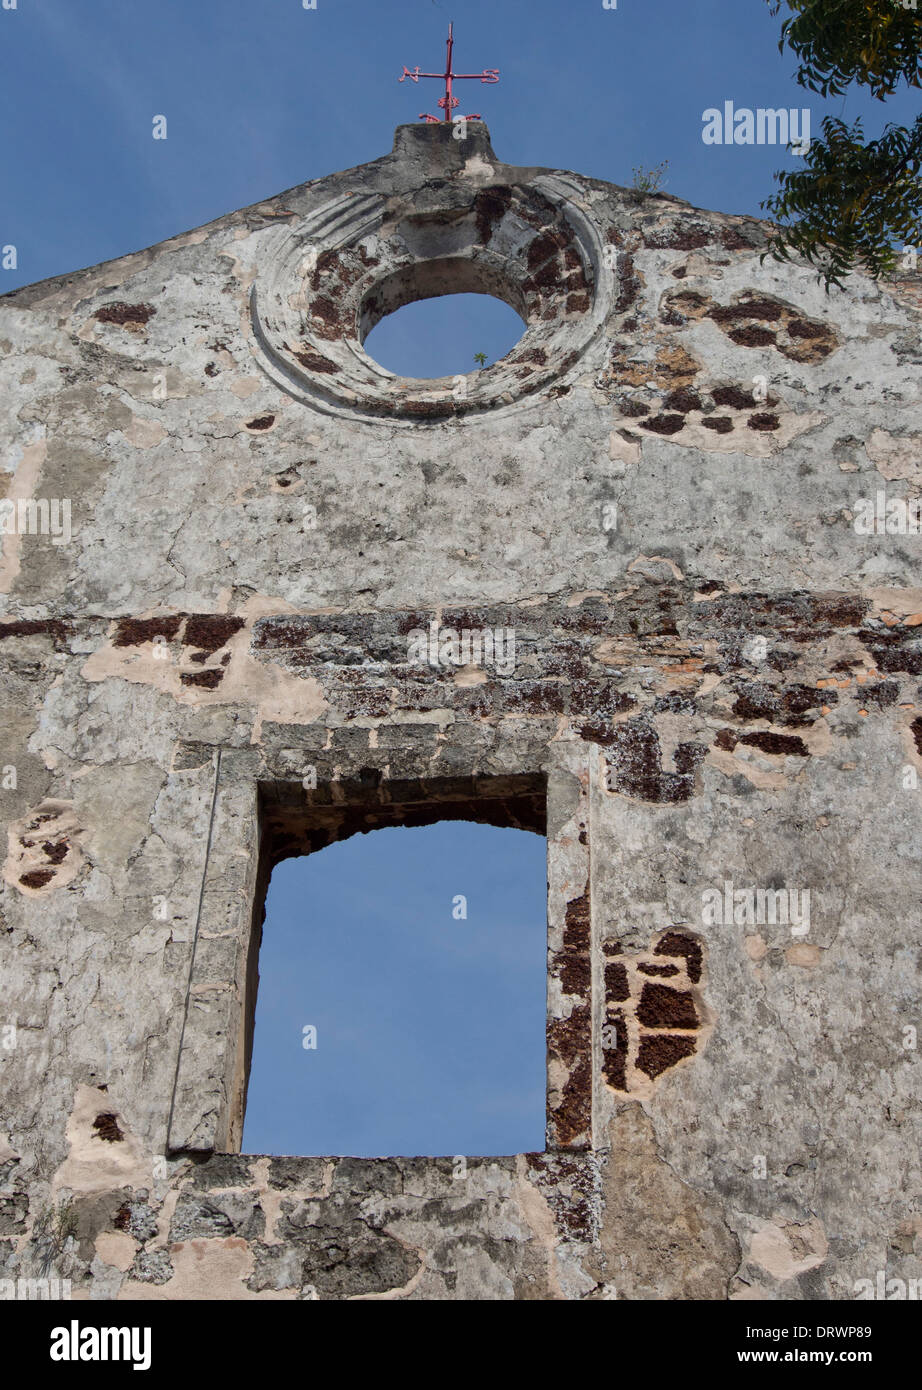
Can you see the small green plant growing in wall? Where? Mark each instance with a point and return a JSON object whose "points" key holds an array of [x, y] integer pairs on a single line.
{"points": [[53, 1228], [480, 358], [649, 180]]}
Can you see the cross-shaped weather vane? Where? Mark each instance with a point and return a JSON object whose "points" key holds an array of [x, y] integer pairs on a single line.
{"points": [[449, 102]]}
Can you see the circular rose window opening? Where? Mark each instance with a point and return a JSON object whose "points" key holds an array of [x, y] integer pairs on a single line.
{"points": [[445, 335], [359, 261]]}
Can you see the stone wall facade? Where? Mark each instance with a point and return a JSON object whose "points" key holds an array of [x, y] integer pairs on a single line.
{"points": [[260, 627]]}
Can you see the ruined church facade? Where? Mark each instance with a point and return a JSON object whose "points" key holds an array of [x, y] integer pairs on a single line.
{"points": [[647, 586]]}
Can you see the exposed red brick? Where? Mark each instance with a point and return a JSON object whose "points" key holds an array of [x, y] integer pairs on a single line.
{"points": [[37, 878], [34, 627], [678, 944], [617, 988], [207, 680], [764, 420], [787, 744], [106, 1126], [121, 313], [133, 632], [209, 631], [656, 1055], [661, 1006]]}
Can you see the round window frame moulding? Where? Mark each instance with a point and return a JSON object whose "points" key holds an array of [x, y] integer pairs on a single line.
{"points": [[396, 258]]}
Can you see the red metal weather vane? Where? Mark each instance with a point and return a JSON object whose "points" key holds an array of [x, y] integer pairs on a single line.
{"points": [[449, 102]]}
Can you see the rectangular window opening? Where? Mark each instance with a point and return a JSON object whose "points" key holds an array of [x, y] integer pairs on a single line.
{"points": [[392, 1010]]}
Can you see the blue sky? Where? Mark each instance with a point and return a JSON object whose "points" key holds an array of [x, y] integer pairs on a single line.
{"points": [[429, 1026]]}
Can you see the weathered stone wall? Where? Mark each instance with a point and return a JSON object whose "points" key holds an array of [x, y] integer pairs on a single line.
{"points": [[716, 686]]}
